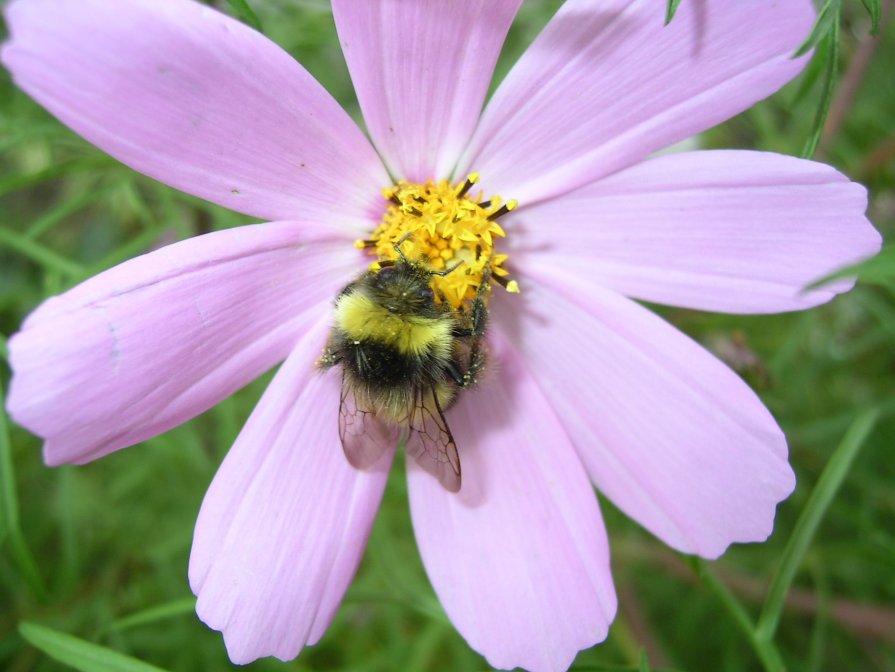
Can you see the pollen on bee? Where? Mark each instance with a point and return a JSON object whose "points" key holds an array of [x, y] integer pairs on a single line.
{"points": [[448, 227]]}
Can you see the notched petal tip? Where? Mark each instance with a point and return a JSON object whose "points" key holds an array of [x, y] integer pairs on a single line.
{"points": [[780, 484], [681, 444], [723, 230], [286, 518], [148, 344], [520, 557]]}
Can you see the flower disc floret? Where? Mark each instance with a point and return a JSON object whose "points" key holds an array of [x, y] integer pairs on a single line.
{"points": [[446, 227]]}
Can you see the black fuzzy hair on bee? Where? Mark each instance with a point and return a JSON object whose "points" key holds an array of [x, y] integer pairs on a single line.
{"points": [[405, 357]]}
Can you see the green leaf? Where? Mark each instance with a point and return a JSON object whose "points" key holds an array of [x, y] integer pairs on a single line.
{"points": [[245, 14], [586, 667], [875, 11], [670, 10], [878, 270], [809, 78], [831, 69], [160, 612], [137, 245], [79, 654], [823, 24], [818, 503], [765, 650], [644, 662], [883, 309], [37, 252], [12, 134], [15, 182], [9, 499], [59, 212]]}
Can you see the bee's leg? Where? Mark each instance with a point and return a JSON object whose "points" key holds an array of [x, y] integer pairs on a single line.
{"points": [[476, 362], [332, 353], [479, 317], [455, 374], [478, 322], [475, 366], [329, 358], [478, 313], [399, 242]]}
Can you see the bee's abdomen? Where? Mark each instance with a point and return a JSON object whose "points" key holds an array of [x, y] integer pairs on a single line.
{"points": [[380, 365]]}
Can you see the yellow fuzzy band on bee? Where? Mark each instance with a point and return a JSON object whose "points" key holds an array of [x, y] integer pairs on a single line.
{"points": [[361, 319]]}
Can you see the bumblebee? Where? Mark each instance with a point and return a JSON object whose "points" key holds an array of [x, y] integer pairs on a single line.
{"points": [[405, 357]]}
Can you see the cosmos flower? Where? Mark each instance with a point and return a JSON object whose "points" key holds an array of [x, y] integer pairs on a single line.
{"points": [[587, 386]]}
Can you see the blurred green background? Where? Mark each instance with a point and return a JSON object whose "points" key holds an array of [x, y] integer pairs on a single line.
{"points": [[100, 552]]}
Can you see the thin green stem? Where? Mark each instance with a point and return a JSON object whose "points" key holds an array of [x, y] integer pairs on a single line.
{"points": [[806, 527], [18, 547], [831, 70], [159, 612], [766, 651], [671, 10], [37, 252], [80, 654], [245, 13]]}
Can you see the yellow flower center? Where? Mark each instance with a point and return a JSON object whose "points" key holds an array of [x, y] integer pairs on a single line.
{"points": [[444, 227]]}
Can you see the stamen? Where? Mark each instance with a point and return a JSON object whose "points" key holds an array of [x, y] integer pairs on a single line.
{"points": [[471, 179], [392, 196], [509, 206], [379, 265], [510, 285]]}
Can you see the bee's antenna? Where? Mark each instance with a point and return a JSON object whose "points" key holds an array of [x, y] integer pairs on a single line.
{"points": [[398, 243], [447, 270]]}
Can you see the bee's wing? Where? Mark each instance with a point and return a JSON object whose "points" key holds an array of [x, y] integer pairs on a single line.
{"points": [[364, 436], [429, 440]]}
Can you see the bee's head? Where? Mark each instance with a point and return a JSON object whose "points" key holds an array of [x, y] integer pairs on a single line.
{"points": [[404, 289]]}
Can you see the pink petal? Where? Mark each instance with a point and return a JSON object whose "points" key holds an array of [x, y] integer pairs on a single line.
{"points": [[157, 340], [421, 71], [519, 557], [673, 437], [726, 231], [607, 84], [199, 101], [286, 519]]}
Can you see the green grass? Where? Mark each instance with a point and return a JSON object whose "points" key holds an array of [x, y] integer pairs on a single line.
{"points": [[93, 559]]}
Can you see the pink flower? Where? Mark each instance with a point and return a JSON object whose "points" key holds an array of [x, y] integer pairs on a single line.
{"points": [[589, 386]]}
